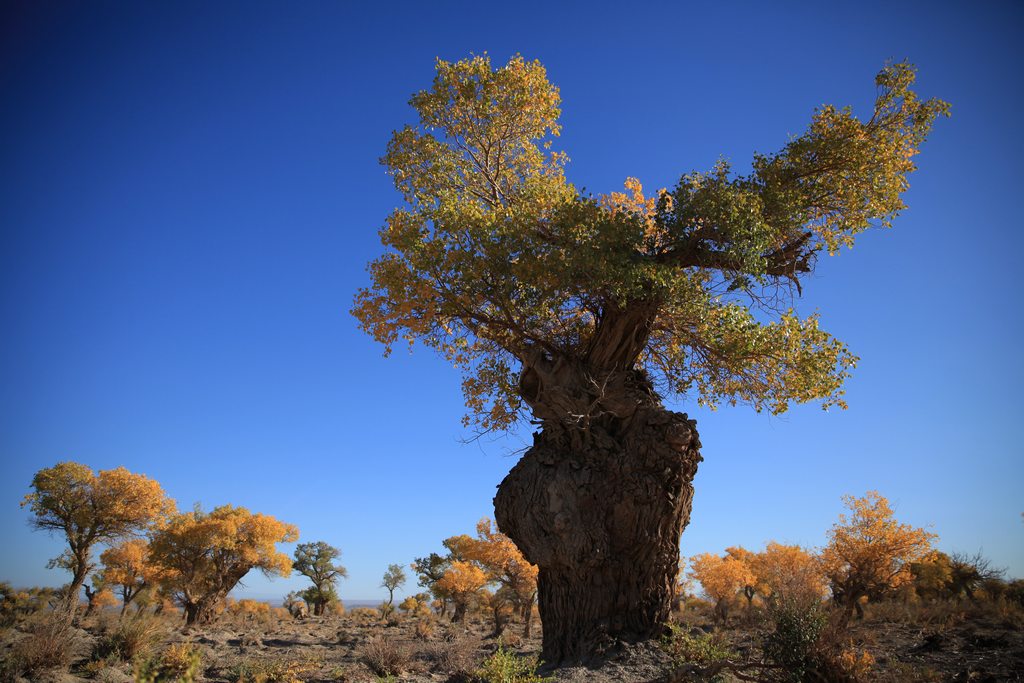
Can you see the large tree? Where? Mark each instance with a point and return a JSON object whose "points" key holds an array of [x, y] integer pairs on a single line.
{"points": [[89, 508], [203, 555], [583, 311]]}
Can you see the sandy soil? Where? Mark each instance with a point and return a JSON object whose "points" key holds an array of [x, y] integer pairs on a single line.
{"points": [[332, 648]]}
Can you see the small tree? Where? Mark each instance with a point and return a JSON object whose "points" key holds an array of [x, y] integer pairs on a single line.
{"points": [[429, 571], [316, 561], [932, 575], [206, 554], [869, 553], [969, 572], [98, 595], [394, 578], [127, 568], [747, 558], [90, 508]]}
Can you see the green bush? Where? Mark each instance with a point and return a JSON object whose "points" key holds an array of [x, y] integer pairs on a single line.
{"points": [[506, 667], [793, 643], [178, 662], [702, 652]]}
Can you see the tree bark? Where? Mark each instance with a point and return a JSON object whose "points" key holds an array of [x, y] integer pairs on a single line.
{"points": [[201, 611], [598, 504]]}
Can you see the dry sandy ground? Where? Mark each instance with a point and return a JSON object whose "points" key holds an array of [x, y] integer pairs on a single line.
{"points": [[336, 649]]}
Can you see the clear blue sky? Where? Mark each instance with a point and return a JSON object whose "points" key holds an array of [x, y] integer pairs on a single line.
{"points": [[190, 192]]}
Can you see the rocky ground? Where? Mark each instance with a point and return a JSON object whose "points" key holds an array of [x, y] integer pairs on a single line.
{"points": [[948, 645]]}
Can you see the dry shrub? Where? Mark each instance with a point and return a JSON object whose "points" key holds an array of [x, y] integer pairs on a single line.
{"points": [[129, 638], [907, 672], [892, 612], [272, 670], [364, 614], [387, 656], [424, 628], [50, 642], [455, 654], [510, 639]]}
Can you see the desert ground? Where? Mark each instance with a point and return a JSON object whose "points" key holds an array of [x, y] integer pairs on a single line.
{"points": [[924, 642]]}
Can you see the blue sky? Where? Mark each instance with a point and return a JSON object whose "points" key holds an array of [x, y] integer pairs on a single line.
{"points": [[190, 193]]}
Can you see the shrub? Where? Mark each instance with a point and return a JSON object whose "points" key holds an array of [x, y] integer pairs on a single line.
{"points": [[793, 643], [386, 656], [701, 652], [178, 662], [455, 654], [50, 643], [506, 667], [364, 614], [129, 639], [271, 671], [424, 628]]}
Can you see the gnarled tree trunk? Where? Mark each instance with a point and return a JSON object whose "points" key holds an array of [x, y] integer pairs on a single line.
{"points": [[599, 503]]}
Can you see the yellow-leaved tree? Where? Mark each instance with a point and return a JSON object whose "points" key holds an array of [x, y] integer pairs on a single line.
{"points": [[575, 309], [869, 553], [498, 556], [89, 508], [722, 578], [205, 554], [462, 581], [127, 567], [789, 573]]}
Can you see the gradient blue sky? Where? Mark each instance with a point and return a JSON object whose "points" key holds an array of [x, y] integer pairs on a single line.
{"points": [[190, 192]]}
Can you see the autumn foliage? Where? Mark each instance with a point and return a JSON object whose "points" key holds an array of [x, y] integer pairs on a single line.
{"points": [[207, 553], [90, 508], [869, 553]]}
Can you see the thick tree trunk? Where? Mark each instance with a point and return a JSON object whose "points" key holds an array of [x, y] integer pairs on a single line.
{"points": [[599, 506], [527, 614], [201, 611], [460, 611]]}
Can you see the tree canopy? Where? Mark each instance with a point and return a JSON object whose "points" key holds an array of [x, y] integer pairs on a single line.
{"points": [[90, 508], [205, 554], [869, 553], [316, 561], [499, 263]]}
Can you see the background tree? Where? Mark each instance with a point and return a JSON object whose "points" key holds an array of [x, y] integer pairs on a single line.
{"points": [[748, 559], [968, 572], [429, 571], [127, 568], [722, 578], [932, 575], [869, 553], [789, 573], [577, 308], [98, 596], [316, 562], [206, 554], [394, 577], [90, 508], [463, 581], [500, 559]]}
